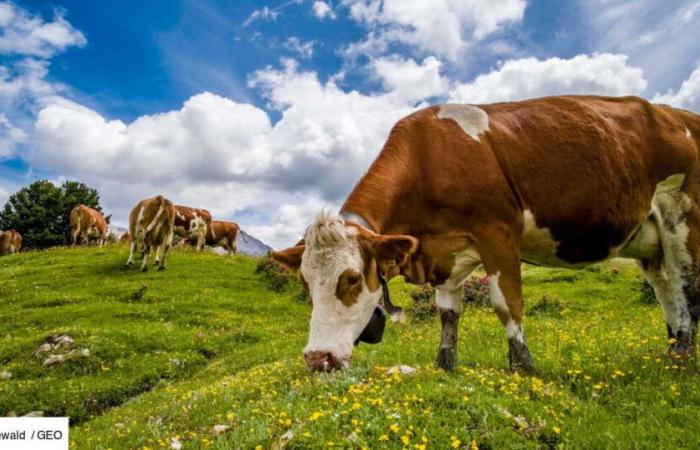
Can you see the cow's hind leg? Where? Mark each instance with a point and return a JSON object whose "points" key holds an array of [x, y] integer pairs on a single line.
{"points": [[676, 281], [132, 250], [449, 304], [145, 252], [166, 247], [156, 258]]}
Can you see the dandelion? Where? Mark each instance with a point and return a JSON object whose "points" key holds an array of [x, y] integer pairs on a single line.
{"points": [[394, 427], [473, 445], [405, 439], [598, 386], [556, 429], [315, 416], [383, 438], [455, 442]]}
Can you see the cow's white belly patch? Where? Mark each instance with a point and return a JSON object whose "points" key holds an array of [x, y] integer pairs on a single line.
{"points": [[474, 121], [465, 262]]}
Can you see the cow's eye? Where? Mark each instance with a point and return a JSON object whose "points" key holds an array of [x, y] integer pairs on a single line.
{"points": [[349, 287], [354, 279]]}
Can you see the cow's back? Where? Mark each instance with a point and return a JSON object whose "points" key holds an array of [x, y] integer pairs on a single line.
{"points": [[10, 242], [583, 169], [586, 168], [84, 217]]}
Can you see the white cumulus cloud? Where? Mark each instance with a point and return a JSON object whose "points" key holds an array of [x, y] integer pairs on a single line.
{"points": [[443, 28], [26, 34], [225, 155], [603, 74], [408, 79], [687, 96]]}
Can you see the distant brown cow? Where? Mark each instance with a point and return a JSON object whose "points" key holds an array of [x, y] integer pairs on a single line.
{"points": [[151, 224], [223, 234], [195, 222], [86, 222], [126, 237], [10, 242]]}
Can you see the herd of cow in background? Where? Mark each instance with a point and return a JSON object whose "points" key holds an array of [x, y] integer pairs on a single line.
{"points": [[153, 224]]}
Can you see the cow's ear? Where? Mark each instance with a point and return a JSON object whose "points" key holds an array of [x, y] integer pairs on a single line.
{"points": [[290, 257], [392, 251]]}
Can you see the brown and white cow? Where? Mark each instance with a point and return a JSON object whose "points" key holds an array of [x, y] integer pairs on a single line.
{"points": [[10, 242], [194, 222], [86, 222], [125, 238], [224, 234], [558, 181], [151, 224]]}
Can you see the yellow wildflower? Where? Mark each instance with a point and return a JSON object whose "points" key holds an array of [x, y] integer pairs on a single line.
{"points": [[383, 438], [394, 427], [315, 416]]}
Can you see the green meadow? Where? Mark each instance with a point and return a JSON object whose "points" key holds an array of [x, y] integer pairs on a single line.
{"points": [[207, 355]]}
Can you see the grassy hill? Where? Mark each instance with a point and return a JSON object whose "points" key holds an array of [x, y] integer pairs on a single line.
{"points": [[205, 355]]}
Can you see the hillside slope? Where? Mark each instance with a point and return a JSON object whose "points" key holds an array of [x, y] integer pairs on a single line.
{"points": [[170, 355]]}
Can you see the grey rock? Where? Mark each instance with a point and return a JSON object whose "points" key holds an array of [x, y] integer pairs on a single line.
{"points": [[54, 359]]}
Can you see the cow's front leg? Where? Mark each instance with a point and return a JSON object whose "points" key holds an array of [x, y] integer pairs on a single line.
{"points": [[499, 250], [505, 289], [449, 304], [202, 234]]}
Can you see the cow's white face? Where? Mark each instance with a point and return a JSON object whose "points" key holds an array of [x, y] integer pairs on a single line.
{"points": [[342, 301], [338, 265]]}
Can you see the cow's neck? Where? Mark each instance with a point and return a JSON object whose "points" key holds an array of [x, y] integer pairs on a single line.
{"points": [[387, 191]]}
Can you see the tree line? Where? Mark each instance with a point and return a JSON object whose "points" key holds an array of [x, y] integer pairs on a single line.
{"points": [[41, 211]]}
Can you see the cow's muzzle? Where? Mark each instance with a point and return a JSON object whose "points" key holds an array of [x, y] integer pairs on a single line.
{"points": [[322, 361], [374, 330]]}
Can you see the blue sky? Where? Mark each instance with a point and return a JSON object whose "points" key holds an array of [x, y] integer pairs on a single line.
{"points": [[267, 111]]}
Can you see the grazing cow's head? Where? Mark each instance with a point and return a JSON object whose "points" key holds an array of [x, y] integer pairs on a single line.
{"points": [[339, 266]]}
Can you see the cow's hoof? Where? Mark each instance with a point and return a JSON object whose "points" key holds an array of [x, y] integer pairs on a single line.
{"points": [[144, 269], [525, 369], [519, 357], [129, 264], [446, 358], [161, 267]]}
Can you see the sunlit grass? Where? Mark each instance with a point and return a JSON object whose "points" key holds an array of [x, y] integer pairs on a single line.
{"points": [[206, 344]]}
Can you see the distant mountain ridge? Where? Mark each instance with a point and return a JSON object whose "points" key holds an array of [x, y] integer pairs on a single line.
{"points": [[254, 246]]}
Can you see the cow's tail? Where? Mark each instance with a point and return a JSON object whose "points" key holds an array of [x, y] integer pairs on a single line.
{"points": [[243, 236], [161, 206]]}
